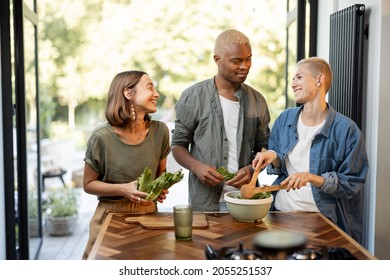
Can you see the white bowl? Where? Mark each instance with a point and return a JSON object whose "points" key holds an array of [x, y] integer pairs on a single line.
{"points": [[247, 210]]}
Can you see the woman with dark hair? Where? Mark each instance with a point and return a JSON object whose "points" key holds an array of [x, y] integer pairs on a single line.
{"points": [[119, 150]]}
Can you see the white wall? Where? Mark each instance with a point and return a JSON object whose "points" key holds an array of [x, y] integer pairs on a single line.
{"points": [[377, 130], [325, 8], [382, 224]]}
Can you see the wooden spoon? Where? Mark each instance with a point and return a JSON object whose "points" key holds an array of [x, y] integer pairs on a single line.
{"points": [[248, 190], [256, 190]]}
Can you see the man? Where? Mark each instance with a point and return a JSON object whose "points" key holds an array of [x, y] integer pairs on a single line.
{"points": [[220, 122]]}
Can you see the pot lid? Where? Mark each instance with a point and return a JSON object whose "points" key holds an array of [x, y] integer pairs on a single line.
{"points": [[279, 239]]}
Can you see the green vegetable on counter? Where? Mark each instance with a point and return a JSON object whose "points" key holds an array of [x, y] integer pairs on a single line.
{"points": [[226, 173], [261, 195], [155, 187]]}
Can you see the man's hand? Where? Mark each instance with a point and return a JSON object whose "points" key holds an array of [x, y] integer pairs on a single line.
{"points": [[243, 176], [208, 174]]}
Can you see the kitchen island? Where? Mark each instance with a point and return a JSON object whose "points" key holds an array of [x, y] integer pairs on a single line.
{"points": [[120, 239]]}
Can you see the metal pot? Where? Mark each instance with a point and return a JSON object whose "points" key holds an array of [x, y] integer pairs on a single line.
{"points": [[278, 244]]}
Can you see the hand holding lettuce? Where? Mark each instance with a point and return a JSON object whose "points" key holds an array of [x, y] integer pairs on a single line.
{"points": [[155, 187], [226, 173]]}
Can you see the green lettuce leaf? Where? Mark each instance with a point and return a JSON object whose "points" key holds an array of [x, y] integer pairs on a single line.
{"points": [[261, 195], [226, 173], [155, 187], [145, 181]]}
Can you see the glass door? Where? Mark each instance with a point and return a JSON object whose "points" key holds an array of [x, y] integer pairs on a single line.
{"points": [[32, 135], [26, 131], [301, 33]]}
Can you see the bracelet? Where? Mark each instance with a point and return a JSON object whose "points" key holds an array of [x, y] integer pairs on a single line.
{"points": [[276, 155]]}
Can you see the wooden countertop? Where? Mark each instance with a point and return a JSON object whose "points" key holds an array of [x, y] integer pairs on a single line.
{"points": [[119, 240]]}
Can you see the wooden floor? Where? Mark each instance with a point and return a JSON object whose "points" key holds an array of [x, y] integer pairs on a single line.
{"points": [[70, 247]]}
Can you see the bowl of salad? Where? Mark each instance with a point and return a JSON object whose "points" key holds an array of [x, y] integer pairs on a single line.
{"points": [[248, 210]]}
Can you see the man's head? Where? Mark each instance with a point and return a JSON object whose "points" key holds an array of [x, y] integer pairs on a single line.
{"points": [[233, 55], [228, 37]]}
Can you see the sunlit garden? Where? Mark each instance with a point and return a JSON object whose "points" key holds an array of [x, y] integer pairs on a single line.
{"points": [[83, 44]]}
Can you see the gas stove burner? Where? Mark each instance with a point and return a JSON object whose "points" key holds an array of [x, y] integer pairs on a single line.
{"points": [[307, 254], [312, 252], [231, 253], [234, 254], [340, 254]]}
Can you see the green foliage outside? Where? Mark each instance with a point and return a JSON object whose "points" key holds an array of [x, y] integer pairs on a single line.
{"points": [[32, 204], [83, 44], [62, 202]]}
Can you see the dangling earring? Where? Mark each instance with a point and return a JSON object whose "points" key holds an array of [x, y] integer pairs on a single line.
{"points": [[133, 115]]}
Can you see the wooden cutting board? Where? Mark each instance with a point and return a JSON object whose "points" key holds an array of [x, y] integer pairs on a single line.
{"points": [[163, 220]]}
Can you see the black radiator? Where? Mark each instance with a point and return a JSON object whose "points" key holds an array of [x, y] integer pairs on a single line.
{"points": [[347, 33]]}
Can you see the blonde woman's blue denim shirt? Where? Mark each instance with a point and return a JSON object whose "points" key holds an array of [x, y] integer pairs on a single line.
{"points": [[199, 127], [338, 154]]}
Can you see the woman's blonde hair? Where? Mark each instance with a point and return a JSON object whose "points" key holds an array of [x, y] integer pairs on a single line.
{"points": [[118, 109], [317, 66]]}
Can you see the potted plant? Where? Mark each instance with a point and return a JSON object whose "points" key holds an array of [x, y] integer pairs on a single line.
{"points": [[61, 211]]}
